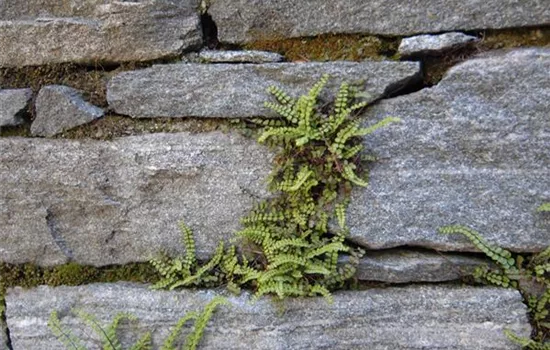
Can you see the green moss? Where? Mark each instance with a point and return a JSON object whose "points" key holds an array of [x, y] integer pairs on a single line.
{"points": [[519, 37], [329, 47], [116, 126], [29, 275]]}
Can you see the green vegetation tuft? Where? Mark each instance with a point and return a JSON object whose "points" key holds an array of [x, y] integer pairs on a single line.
{"points": [[531, 276], [289, 247], [110, 338]]}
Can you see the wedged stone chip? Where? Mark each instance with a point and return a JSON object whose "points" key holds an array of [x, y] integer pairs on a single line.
{"points": [[414, 317], [239, 90], [60, 108], [13, 102], [472, 150], [243, 21], [245, 56], [39, 32], [404, 266], [120, 201], [433, 44]]}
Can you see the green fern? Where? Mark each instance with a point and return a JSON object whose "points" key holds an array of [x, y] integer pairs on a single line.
{"points": [[516, 273], [290, 250], [110, 340]]}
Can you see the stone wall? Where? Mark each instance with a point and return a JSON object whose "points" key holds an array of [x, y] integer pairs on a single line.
{"points": [[472, 148]]}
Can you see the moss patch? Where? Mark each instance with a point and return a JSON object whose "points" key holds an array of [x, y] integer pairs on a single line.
{"points": [[329, 47], [509, 38], [29, 275], [113, 126]]}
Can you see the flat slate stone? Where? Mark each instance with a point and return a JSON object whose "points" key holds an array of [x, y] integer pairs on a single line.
{"points": [[472, 150], [38, 32], [13, 103], [433, 44], [60, 108], [415, 317], [244, 56], [120, 201], [239, 90], [243, 21], [405, 266]]}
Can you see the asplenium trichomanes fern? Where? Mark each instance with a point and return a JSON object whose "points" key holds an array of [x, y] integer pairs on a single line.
{"points": [[110, 338], [318, 163], [294, 252], [530, 276]]}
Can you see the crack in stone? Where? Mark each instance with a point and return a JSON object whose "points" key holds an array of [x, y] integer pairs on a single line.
{"points": [[56, 235]]}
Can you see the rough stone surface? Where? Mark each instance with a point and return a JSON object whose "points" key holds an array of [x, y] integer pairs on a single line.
{"points": [[13, 102], [60, 108], [38, 32], [433, 44], [230, 90], [415, 317], [100, 203], [241, 21], [472, 150], [3, 335], [404, 266], [245, 56]]}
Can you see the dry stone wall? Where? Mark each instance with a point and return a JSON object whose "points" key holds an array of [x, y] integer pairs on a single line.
{"points": [[473, 149]]}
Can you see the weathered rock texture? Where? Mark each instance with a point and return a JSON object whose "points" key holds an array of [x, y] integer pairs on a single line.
{"points": [[433, 44], [3, 336], [40, 32], [472, 150], [229, 90], [244, 56], [404, 266], [115, 202], [59, 108], [13, 103], [241, 21], [418, 317]]}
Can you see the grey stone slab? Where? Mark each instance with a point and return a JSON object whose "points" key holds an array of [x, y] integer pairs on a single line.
{"points": [[472, 150], [415, 317], [4, 339], [120, 201], [239, 90], [91, 31], [242, 21], [244, 56], [60, 108], [13, 102], [433, 44], [405, 266]]}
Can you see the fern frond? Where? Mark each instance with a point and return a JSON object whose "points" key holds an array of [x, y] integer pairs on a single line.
{"points": [[144, 343], [280, 95], [501, 256], [69, 340], [201, 322], [545, 207], [169, 342], [373, 128]]}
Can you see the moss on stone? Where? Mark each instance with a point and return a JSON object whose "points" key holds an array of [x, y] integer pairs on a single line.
{"points": [[518, 37], [329, 47], [113, 126], [29, 275]]}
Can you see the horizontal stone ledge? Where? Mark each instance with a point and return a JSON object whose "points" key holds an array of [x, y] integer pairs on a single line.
{"points": [[101, 203], [244, 21], [472, 150], [413, 317], [239, 90], [406, 266], [91, 32]]}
